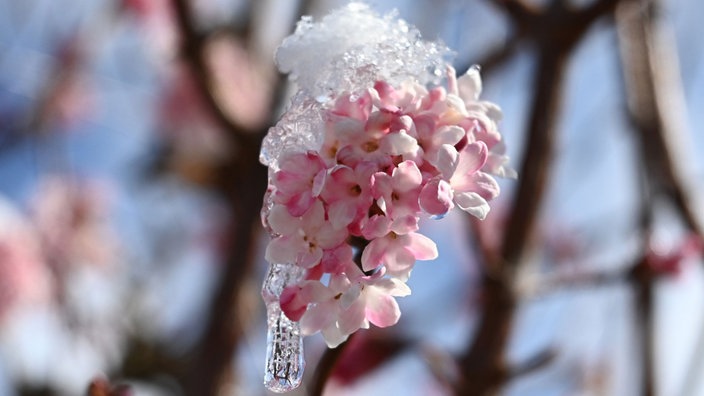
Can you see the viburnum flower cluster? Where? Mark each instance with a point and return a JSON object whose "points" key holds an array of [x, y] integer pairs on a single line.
{"points": [[348, 213]]}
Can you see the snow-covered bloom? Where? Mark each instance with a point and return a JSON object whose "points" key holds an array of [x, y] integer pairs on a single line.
{"points": [[364, 152], [390, 156]]}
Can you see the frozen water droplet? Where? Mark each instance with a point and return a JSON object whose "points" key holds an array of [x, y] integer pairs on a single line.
{"points": [[284, 352]]}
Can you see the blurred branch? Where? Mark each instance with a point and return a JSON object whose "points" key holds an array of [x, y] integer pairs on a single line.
{"points": [[555, 31], [495, 57], [655, 101], [326, 366], [193, 49], [243, 181], [518, 10], [535, 362], [655, 105]]}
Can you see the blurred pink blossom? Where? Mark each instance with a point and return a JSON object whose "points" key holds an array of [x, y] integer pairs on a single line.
{"points": [[24, 277], [72, 223]]}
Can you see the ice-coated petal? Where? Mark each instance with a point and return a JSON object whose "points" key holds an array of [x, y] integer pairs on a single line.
{"points": [[281, 221], [473, 204], [283, 249]]}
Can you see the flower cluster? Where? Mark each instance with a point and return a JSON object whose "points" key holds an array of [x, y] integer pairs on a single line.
{"points": [[348, 214]]}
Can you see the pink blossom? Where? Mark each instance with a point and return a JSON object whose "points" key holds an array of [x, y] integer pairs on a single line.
{"points": [[398, 253], [389, 153], [347, 192], [397, 195], [302, 240], [299, 181], [471, 188], [351, 301]]}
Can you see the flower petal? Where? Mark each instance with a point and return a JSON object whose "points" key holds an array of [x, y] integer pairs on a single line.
{"points": [[333, 336], [470, 84], [422, 247], [473, 204], [381, 309], [406, 176], [283, 249], [317, 317], [446, 160], [436, 197]]}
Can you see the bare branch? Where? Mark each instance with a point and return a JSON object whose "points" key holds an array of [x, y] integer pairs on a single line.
{"points": [[517, 10], [655, 102], [194, 52], [535, 362]]}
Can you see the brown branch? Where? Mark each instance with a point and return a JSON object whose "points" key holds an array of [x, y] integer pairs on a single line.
{"points": [[644, 285], [495, 57], [242, 181], [652, 92], [535, 362], [517, 10], [193, 49], [326, 366], [555, 31]]}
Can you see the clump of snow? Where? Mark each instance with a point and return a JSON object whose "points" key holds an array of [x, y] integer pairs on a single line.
{"points": [[347, 50]]}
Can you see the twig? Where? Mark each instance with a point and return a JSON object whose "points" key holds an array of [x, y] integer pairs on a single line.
{"points": [[555, 30], [650, 88], [326, 366], [518, 10], [242, 182], [193, 49]]}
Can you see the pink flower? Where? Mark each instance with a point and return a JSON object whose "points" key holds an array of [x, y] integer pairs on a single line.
{"points": [[397, 195], [294, 299], [471, 188], [347, 192], [388, 154], [302, 240], [398, 253], [351, 301], [299, 181]]}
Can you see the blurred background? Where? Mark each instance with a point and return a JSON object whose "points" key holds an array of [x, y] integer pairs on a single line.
{"points": [[131, 253]]}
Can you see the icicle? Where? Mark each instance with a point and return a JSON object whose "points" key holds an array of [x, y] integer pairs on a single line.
{"points": [[284, 351]]}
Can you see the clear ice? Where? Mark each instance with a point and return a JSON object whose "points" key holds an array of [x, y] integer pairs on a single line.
{"points": [[346, 51], [284, 352]]}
